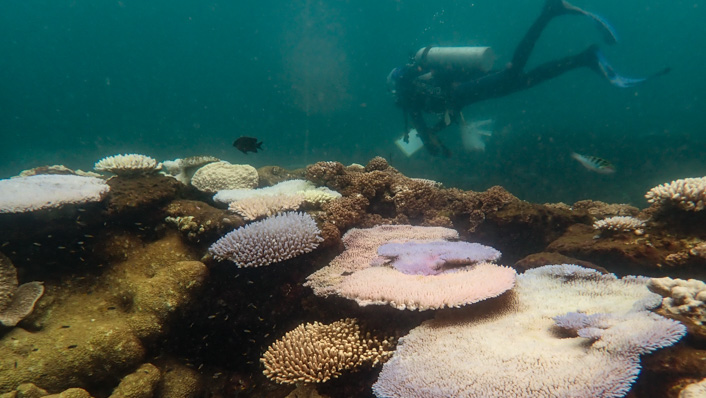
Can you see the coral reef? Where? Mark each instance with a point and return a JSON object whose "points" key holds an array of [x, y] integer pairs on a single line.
{"points": [[687, 194], [84, 340], [127, 165], [184, 169], [621, 224], [26, 194], [219, 176], [315, 352], [509, 346], [265, 206], [16, 302], [271, 240], [129, 311]]}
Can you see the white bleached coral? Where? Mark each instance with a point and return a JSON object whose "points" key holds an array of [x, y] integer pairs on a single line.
{"points": [[127, 165], [620, 223], [25, 194], [312, 194], [512, 348], [183, 169], [222, 175], [682, 297], [265, 206], [687, 193]]}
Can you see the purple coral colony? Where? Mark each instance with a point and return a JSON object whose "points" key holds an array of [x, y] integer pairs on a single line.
{"points": [[199, 278]]}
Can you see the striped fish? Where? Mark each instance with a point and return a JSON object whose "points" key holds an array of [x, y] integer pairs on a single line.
{"points": [[594, 163]]}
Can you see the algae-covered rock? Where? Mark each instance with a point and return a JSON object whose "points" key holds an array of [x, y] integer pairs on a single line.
{"points": [[179, 381], [87, 332]]}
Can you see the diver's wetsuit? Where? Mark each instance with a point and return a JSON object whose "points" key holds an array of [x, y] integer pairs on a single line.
{"points": [[419, 92]]}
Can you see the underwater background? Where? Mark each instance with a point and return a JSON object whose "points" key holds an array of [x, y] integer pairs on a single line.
{"points": [[82, 80]]}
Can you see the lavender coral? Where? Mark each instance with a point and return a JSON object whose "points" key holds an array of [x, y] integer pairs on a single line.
{"points": [[271, 240], [431, 258], [25, 194], [423, 275]]}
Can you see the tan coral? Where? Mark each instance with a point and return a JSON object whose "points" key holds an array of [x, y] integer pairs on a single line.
{"points": [[80, 339], [620, 224], [222, 175], [16, 302], [315, 352]]}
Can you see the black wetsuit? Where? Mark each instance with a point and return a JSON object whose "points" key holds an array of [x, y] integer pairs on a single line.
{"points": [[445, 94]]}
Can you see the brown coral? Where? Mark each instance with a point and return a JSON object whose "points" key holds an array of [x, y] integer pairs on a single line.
{"points": [[315, 352]]}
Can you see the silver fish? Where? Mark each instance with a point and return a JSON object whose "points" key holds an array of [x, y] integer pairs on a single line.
{"points": [[594, 163]]}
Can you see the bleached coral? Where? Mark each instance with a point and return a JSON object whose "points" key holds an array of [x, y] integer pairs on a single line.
{"points": [[222, 175], [687, 193], [265, 206], [315, 352], [682, 297], [312, 194], [694, 390], [127, 165], [271, 240], [361, 249], [183, 169], [25, 194], [620, 223], [511, 348]]}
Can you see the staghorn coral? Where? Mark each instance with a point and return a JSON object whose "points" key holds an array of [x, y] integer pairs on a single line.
{"points": [[26, 194], [687, 194], [127, 165], [620, 224], [510, 346], [16, 302], [271, 240], [222, 175], [315, 352]]}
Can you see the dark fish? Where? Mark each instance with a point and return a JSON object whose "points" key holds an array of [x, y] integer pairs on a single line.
{"points": [[247, 144]]}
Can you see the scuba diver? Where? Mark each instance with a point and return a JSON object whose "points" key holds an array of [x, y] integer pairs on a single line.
{"points": [[443, 80]]}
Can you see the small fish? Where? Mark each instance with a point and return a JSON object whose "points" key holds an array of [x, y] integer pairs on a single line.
{"points": [[247, 144], [594, 163]]}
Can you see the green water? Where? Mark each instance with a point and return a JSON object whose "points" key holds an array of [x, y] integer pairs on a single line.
{"points": [[82, 80]]}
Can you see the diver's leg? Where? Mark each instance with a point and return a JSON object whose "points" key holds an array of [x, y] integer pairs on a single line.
{"points": [[591, 58], [552, 8]]}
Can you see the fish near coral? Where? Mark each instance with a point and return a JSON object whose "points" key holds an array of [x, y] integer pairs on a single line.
{"points": [[247, 144]]}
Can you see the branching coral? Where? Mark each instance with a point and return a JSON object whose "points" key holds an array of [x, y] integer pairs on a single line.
{"points": [[620, 223], [271, 240], [315, 352], [687, 193]]}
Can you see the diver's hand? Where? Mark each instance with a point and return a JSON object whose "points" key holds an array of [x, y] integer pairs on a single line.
{"points": [[434, 146]]}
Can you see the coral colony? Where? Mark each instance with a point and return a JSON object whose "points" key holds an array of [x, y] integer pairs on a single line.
{"points": [[197, 277]]}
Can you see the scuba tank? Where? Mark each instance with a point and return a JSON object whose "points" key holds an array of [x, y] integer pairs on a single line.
{"points": [[456, 58]]}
